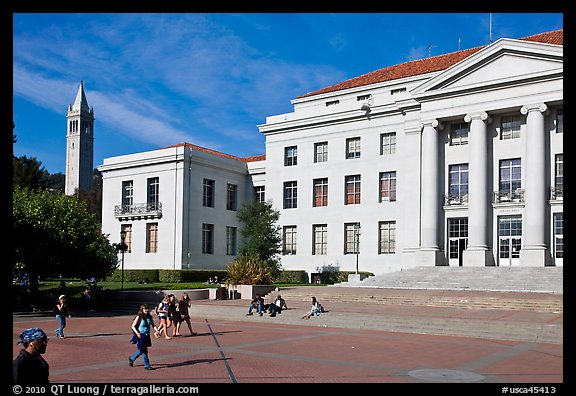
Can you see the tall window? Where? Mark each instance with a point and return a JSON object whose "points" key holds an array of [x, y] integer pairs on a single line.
{"points": [[151, 237], [351, 238], [291, 156], [387, 143], [320, 239], [127, 229], [208, 193], [386, 237], [289, 240], [458, 180], [153, 191], [387, 186], [559, 235], [560, 121], [127, 193], [352, 190], [290, 194], [459, 133], [320, 192], [321, 152], [208, 238], [231, 241], [260, 193], [510, 175], [231, 196], [510, 128], [559, 174], [353, 147]]}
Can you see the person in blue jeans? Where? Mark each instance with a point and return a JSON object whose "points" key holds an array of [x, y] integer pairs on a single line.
{"points": [[257, 304], [61, 311], [141, 336]]}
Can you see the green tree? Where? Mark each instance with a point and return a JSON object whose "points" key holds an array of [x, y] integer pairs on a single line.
{"points": [[261, 235], [29, 173], [55, 234]]}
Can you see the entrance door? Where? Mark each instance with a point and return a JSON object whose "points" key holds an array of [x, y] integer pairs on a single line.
{"points": [[509, 240], [457, 240]]}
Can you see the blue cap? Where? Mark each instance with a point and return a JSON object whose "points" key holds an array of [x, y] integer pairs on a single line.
{"points": [[31, 334]]}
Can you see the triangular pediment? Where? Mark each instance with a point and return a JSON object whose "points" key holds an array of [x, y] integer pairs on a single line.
{"points": [[504, 62]]}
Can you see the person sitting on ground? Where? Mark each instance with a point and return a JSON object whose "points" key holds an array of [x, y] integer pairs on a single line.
{"points": [[258, 304], [278, 305], [315, 310]]}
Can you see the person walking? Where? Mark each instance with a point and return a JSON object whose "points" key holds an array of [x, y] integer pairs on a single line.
{"points": [[184, 306], [61, 311], [29, 367], [162, 311], [173, 314], [141, 326]]}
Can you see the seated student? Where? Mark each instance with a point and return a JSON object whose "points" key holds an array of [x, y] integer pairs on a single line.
{"points": [[278, 305], [315, 310], [258, 304]]}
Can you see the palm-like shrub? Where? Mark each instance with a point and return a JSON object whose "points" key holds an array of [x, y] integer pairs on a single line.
{"points": [[249, 270]]}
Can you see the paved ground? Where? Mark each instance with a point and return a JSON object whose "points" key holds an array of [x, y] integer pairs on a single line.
{"points": [[341, 346]]}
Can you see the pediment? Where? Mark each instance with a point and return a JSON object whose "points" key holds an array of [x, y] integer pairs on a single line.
{"points": [[505, 61]]}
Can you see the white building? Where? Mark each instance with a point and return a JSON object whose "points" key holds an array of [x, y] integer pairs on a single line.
{"points": [[452, 160]]}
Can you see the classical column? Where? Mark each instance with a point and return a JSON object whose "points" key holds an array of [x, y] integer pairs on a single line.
{"points": [[430, 205], [534, 251], [477, 252]]}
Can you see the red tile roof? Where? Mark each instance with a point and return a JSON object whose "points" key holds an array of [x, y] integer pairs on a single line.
{"points": [[426, 65], [218, 153]]}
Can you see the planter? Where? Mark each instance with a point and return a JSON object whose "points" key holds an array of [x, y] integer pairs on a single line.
{"points": [[248, 292]]}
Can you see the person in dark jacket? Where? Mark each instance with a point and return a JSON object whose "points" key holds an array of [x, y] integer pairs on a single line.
{"points": [[30, 367]]}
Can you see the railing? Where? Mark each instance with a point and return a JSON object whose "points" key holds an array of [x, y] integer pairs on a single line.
{"points": [[509, 196], [451, 199], [556, 193], [153, 209]]}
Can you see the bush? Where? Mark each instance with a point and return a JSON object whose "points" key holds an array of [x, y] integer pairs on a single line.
{"points": [[295, 277], [249, 270]]}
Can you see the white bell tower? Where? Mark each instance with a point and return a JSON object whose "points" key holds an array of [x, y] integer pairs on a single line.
{"points": [[79, 144]]}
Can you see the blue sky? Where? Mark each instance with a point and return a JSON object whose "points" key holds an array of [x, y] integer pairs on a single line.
{"points": [[210, 79]]}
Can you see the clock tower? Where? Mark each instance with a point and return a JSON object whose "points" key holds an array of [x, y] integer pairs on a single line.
{"points": [[79, 144]]}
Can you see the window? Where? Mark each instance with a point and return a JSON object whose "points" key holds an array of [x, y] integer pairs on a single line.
{"points": [[560, 121], [290, 194], [353, 148], [321, 152], [208, 193], [208, 238], [458, 180], [352, 190], [153, 192], [127, 229], [387, 187], [510, 128], [127, 193], [510, 176], [151, 237], [231, 196], [231, 241], [320, 241], [351, 238], [362, 98], [289, 240], [559, 235], [386, 237], [387, 143], [559, 174], [332, 103], [291, 156], [260, 193], [397, 91], [459, 133], [320, 192]]}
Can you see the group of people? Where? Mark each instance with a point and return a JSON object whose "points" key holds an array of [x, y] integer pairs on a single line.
{"points": [[278, 305]]}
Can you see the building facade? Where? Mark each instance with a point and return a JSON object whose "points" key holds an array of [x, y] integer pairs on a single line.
{"points": [[79, 144], [450, 160]]}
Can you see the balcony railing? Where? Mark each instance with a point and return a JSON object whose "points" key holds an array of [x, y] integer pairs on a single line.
{"points": [[139, 210], [509, 196], [556, 193], [451, 199]]}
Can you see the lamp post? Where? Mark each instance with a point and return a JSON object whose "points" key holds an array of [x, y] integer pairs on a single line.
{"points": [[122, 247], [357, 243]]}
